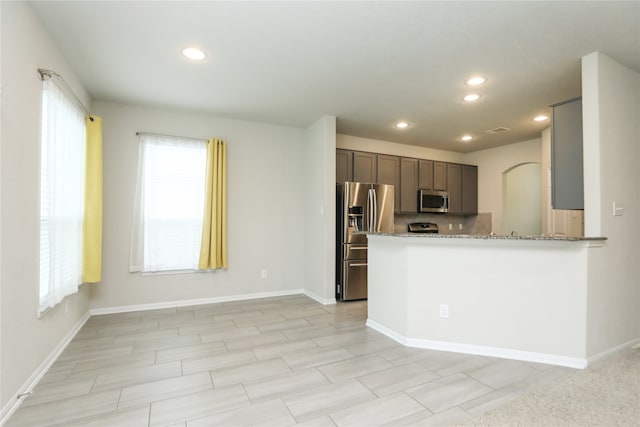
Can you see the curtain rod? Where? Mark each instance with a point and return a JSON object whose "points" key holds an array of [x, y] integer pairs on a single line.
{"points": [[171, 136], [49, 73]]}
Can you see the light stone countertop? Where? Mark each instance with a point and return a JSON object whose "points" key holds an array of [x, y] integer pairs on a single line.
{"points": [[488, 237]]}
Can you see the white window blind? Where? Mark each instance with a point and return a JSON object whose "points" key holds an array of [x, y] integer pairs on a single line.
{"points": [[62, 178], [169, 204]]}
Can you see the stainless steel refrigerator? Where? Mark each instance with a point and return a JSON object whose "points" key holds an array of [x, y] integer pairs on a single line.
{"points": [[360, 207]]}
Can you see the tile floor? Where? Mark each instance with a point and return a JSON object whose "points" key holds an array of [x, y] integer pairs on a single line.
{"points": [[274, 361]]}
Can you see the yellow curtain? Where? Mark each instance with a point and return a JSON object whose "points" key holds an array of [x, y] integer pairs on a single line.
{"points": [[213, 250], [92, 235]]}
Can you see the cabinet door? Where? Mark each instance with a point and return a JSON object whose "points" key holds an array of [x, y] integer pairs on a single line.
{"points": [[439, 176], [344, 166], [567, 223], [389, 173], [365, 167], [425, 175], [409, 185], [469, 190], [454, 187], [567, 185]]}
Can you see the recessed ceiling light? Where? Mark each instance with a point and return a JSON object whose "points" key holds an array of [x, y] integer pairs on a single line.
{"points": [[402, 125], [541, 118], [194, 53], [466, 138], [471, 97], [475, 81]]}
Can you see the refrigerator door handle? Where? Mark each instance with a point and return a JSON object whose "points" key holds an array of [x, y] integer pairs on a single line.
{"points": [[368, 210], [371, 206], [373, 210]]}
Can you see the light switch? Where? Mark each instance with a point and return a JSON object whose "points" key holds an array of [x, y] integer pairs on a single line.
{"points": [[618, 209]]}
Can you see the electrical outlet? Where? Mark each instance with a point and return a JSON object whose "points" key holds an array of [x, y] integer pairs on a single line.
{"points": [[263, 274], [444, 311], [450, 226], [459, 226]]}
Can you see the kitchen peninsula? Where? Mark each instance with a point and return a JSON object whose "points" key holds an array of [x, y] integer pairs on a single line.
{"points": [[514, 297]]}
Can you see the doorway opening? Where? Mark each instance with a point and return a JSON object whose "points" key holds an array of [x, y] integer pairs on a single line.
{"points": [[522, 200]]}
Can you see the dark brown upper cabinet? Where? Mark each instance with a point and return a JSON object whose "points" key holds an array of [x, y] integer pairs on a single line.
{"points": [[454, 188], [365, 167], [425, 175], [389, 173], [408, 185], [344, 166], [440, 176], [469, 190], [408, 175]]}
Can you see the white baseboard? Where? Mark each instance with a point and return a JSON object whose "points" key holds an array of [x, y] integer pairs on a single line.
{"points": [[635, 343], [388, 332], [13, 405], [199, 301], [503, 353], [317, 298]]}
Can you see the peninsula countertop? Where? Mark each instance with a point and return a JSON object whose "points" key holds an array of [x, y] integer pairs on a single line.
{"points": [[487, 237]]}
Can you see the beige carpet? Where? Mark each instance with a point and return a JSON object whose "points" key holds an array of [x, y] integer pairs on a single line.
{"points": [[605, 394]]}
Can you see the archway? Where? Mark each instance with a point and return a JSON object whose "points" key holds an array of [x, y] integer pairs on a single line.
{"points": [[522, 200]]}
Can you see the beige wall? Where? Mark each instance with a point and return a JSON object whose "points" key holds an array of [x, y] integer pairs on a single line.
{"points": [[492, 163], [611, 130], [26, 341], [521, 199], [266, 201]]}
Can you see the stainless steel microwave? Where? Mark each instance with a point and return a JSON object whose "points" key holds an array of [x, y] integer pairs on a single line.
{"points": [[433, 201]]}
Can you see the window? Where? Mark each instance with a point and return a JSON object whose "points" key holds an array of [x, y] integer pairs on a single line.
{"points": [[62, 181], [169, 204]]}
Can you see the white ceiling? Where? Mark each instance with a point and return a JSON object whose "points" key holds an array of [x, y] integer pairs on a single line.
{"points": [[368, 63]]}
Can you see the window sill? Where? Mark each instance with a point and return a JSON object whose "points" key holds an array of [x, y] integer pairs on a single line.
{"points": [[171, 272]]}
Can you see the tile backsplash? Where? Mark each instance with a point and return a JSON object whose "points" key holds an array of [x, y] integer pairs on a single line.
{"points": [[479, 224]]}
